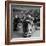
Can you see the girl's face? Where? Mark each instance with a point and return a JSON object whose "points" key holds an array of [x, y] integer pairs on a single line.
{"points": [[16, 16]]}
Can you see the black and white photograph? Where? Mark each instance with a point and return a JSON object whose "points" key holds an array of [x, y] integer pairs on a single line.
{"points": [[25, 21]]}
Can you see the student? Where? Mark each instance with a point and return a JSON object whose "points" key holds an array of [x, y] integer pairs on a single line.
{"points": [[16, 20]]}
